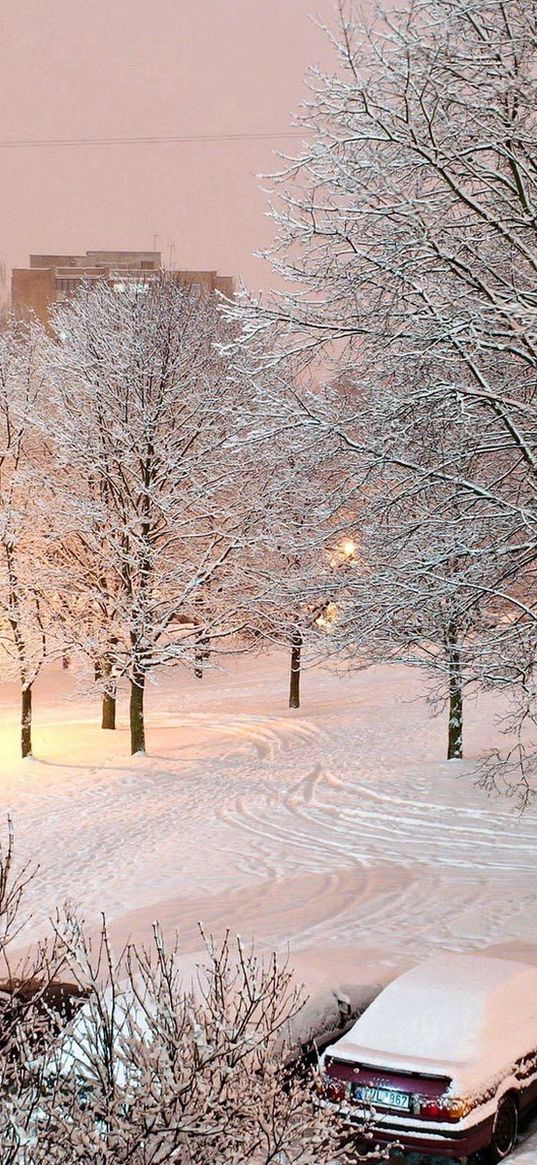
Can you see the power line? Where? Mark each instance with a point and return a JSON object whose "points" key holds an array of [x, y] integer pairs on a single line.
{"points": [[172, 139]]}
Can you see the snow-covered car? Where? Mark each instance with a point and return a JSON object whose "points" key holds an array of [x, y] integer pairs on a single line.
{"points": [[444, 1060]]}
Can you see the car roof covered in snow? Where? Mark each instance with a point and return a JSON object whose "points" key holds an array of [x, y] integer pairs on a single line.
{"points": [[453, 1015]]}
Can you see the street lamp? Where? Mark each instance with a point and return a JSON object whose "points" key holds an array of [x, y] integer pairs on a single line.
{"points": [[347, 548]]}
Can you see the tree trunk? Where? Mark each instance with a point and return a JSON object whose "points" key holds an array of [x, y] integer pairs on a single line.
{"points": [[109, 710], [66, 661], [294, 682], [137, 712], [26, 721], [201, 654], [455, 696], [109, 696]]}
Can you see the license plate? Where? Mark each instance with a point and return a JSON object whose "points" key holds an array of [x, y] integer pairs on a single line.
{"points": [[389, 1097]]}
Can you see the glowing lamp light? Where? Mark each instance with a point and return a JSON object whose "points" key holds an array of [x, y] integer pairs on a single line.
{"points": [[328, 616], [348, 547]]}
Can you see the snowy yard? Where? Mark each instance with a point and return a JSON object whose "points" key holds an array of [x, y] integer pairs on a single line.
{"points": [[336, 831]]}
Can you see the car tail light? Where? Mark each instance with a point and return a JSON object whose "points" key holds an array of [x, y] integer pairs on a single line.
{"points": [[335, 1091], [444, 1109]]}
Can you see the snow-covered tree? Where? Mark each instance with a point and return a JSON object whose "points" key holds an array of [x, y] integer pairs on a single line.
{"points": [[152, 499], [407, 234], [395, 604], [24, 574], [287, 576]]}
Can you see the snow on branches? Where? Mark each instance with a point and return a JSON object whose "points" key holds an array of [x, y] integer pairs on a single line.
{"points": [[143, 1060], [406, 233], [152, 504], [25, 630]]}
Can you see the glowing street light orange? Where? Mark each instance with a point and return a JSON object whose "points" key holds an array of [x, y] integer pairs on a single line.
{"points": [[348, 548]]}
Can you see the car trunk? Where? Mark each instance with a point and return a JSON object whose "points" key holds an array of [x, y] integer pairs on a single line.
{"points": [[387, 1089]]}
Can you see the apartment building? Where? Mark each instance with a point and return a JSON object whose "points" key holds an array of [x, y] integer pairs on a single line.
{"points": [[50, 278]]}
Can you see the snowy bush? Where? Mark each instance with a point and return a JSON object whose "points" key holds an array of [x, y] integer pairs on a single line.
{"points": [[154, 1065]]}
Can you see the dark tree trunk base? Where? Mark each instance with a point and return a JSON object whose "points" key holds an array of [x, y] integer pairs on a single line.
{"points": [[109, 711], [26, 722], [455, 750], [136, 711], [294, 681], [455, 723], [201, 654]]}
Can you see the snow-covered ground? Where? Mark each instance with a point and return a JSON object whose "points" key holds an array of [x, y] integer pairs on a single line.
{"points": [[337, 831]]}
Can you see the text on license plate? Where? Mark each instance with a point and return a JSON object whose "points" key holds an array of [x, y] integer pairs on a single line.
{"points": [[387, 1096]]}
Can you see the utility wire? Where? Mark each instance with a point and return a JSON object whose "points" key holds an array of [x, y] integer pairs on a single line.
{"points": [[30, 143]]}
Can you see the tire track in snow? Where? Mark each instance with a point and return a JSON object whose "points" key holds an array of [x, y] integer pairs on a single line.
{"points": [[446, 855], [334, 830]]}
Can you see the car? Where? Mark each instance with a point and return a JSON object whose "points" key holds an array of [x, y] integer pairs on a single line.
{"points": [[444, 1061]]}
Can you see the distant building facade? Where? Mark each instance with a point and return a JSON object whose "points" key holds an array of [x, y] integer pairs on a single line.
{"points": [[51, 278]]}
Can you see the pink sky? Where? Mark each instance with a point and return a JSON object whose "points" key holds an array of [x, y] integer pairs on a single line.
{"points": [[97, 68]]}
